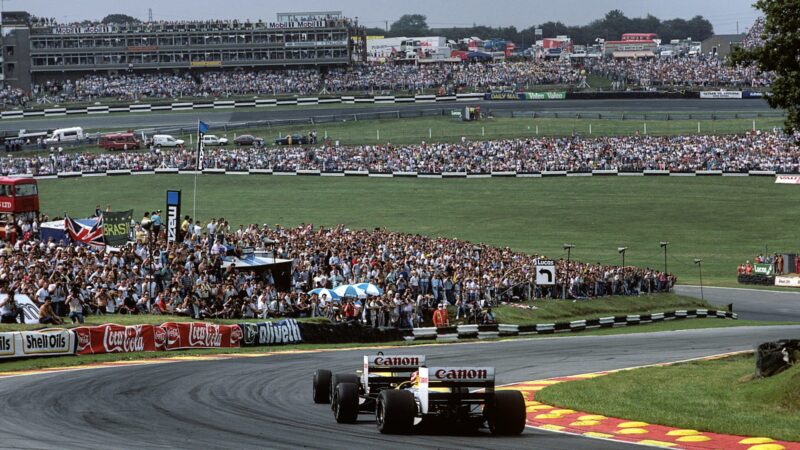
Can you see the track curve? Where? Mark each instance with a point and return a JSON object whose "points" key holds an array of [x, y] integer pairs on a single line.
{"points": [[266, 401], [145, 120]]}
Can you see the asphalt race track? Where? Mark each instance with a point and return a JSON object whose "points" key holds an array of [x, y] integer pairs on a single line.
{"points": [[146, 120], [751, 304], [266, 402]]}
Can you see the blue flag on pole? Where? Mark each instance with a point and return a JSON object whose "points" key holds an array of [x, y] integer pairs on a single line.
{"points": [[202, 127]]}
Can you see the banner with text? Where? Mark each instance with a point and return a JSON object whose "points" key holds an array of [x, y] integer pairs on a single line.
{"points": [[545, 96], [720, 94], [764, 269], [281, 332], [117, 227], [787, 179], [201, 335], [26, 344], [29, 309], [113, 338]]}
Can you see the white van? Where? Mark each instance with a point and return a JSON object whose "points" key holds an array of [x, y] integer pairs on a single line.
{"points": [[65, 135], [165, 140]]}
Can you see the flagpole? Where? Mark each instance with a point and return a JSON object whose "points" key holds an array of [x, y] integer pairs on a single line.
{"points": [[196, 169]]}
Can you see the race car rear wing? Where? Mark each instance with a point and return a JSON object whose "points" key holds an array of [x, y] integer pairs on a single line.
{"points": [[465, 385], [393, 369]]}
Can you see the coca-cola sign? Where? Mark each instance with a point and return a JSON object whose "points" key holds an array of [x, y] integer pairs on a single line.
{"points": [[112, 338], [201, 335]]}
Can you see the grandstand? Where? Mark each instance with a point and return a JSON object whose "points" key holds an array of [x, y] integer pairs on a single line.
{"points": [[39, 50]]}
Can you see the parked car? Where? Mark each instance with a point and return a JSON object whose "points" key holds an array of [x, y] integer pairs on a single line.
{"points": [[249, 140], [119, 141], [165, 140], [293, 139], [65, 135], [210, 139]]}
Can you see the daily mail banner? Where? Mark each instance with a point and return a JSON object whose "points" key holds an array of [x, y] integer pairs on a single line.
{"points": [[26, 344], [29, 309], [201, 335], [285, 331], [720, 94]]}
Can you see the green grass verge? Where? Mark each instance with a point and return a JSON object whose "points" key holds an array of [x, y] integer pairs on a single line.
{"points": [[715, 396], [718, 219], [66, 361], [444, 129], [549, 311]]}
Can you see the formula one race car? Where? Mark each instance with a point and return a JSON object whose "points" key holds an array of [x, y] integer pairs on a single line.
{"points": [[403, 393], [464, 396], [350, 394]]}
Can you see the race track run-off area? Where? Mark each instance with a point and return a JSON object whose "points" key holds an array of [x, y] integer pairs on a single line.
{"points": [[265, 402]]}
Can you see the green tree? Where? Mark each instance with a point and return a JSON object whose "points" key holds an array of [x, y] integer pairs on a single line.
{"points": [[779, 54], [119, 18], [410, 25]]}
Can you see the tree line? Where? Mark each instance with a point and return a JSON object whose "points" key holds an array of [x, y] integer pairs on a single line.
{"points": [[610, 27]]}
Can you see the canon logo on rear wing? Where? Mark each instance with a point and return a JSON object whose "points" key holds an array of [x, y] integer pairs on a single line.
{"points": [[397, 361], [462, 373]]}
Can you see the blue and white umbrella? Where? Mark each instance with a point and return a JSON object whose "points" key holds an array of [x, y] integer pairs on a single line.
{"points": [[370, 289], [349, 290], [324, 291]]}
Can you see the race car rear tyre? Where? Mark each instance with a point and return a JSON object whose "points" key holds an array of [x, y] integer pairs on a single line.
{"points": [[322, 386], [507, 415], [341, 378], [395, 411], [345, 403]]}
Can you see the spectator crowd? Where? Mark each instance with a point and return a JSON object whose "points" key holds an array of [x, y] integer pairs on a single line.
{"points": [[772, 151], [417, 275], [684, 72]]}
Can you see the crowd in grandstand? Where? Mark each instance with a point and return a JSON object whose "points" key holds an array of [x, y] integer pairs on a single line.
{"points": [[695, 71], [730, 153], [366, 78], [416, 274], [755, 34]]}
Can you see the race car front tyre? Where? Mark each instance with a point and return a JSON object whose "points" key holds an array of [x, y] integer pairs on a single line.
{"points": [[506, 416], [341, 378], [345, 403], [322, 386], [395, 411]]}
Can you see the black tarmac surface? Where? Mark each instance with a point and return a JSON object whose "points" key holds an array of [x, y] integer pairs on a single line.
{"points": [[146, 120], [266, 402]]}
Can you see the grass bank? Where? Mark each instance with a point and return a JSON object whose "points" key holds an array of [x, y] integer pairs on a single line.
{"points": [[716, 396], [548, 311], [713, 218]]}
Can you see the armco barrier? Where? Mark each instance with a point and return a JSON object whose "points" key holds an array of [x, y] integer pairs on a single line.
{"points": [[439, 176], [27, 344], [501, 330], [232, 104]]}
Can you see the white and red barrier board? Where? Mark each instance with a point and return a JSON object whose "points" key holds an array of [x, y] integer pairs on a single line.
{"points": [[201, 335], [24, 344], [112, 338]]}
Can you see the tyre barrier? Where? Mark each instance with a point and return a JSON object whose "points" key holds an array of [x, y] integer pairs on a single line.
{"points": [[757, 279], [494, 331]]}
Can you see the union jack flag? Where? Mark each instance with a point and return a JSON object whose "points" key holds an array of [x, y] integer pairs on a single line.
{"points": [[89, 235]]}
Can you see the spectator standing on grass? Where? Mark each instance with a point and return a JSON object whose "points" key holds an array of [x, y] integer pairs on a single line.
{"points": [[75, 307], [440, 318]]}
